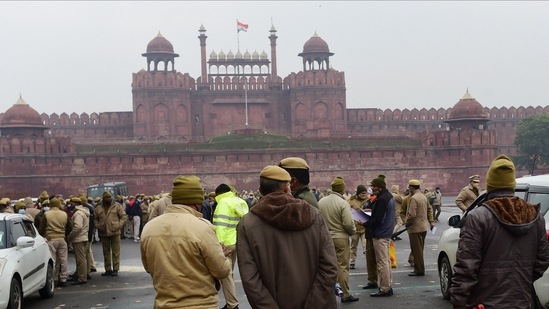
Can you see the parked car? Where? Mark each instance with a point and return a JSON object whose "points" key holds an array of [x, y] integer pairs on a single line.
{"points": [[534, 189], [26, 265]]}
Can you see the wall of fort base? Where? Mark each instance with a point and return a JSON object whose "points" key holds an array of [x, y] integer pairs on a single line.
{"points": [[153, 173]]}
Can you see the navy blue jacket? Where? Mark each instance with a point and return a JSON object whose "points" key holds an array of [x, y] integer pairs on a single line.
{"points": [[382, 221]]}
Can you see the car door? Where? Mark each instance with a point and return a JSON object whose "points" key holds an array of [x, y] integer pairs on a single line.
{"points": [[26, 257]]}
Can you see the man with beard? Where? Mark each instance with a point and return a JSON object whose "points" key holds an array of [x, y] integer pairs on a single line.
{"points": [[468, 194], [276, 269], [109, 218]]}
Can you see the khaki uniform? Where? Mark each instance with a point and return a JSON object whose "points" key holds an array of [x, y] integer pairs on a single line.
{"points": [[358, 204], [109, 222], [466, 197], [305, 194], [417, 223]]}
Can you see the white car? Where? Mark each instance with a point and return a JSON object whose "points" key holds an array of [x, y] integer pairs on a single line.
{"points": [[26, 265], [534, 189]]}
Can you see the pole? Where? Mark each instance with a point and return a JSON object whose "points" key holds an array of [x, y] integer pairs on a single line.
{"points": [[246, 99]]}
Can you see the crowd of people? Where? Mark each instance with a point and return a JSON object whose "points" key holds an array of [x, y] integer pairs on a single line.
{"points": [[293, 244]]}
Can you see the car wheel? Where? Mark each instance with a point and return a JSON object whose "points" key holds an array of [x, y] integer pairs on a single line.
{"points": [[16, 295], [445, 275], [49, 288]]}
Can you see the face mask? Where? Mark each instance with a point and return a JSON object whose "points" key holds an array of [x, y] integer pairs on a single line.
{"points": [[21, 211], [370, 191], [46, 208]]}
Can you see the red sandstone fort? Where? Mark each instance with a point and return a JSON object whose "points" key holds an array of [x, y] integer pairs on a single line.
{"points": [[242, 92]]}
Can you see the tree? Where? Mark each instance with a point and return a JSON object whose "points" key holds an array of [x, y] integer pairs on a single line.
{"points": [[532, 142]]}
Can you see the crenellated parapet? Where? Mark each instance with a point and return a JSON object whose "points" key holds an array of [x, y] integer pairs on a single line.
{"points": [[162, 79], [325, 78]]}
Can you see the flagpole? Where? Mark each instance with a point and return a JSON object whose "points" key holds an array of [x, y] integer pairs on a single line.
{"points": [[246, 99]]}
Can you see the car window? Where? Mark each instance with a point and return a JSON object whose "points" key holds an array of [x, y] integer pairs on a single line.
{"points": [[18, 230], [541, 198], [2, 235], [29, 228]]}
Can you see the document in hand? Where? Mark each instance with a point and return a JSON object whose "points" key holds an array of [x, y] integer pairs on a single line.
{"points": [[359, 215]]}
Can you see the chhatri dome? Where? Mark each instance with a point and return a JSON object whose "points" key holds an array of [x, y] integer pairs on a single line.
{"points": [[467, 108], [159, 45], [21, 115], [316, 45]]}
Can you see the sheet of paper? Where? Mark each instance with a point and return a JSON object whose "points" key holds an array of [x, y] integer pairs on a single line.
{"points": [[359, 215]]}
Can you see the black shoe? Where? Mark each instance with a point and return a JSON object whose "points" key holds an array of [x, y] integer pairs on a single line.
{"points": [[382, 294], [107, 273], [413, 274], [349, 299], [114, 273], [78, 283], [352, 266], [227, 307], [62, 284], [93, 270], [370, 286], [88, 277]]}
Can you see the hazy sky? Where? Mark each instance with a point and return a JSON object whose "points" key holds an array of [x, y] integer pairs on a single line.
{"points": [[75, 56]]}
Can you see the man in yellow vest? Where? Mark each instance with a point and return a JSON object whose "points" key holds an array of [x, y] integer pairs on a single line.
{"points": [[230, 208]]}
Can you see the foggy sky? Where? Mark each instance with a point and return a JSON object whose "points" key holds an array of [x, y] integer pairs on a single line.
{"points": [[80, 56]]}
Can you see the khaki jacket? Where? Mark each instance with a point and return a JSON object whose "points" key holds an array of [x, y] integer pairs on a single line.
{"points": [[337, 214], [80, 225], [357, 204], [181, 253], [417, 220], [159, 206], [55, 224], [466, 197], [109, 220]]}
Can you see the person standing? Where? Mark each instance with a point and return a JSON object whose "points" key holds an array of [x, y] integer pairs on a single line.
{"points": [[502, 247], [228, 212], [276, 269], [338, 217], [158, 207], [371, 266], [79, 238], [299, 171], [437, 203], [398, 207], [54, 226], [417, 223], [357, 202], [382, 223], [133, 210], [181, 252], [468, 194], [109, 219]]}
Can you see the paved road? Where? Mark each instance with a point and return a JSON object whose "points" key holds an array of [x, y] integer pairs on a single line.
{"points": [[133, 288]]}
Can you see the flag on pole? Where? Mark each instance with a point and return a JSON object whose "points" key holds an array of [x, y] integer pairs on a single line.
{"points": [[241, 26]]}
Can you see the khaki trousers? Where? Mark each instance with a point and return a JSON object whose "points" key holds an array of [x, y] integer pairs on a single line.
{"points": [[227, 284], [80, 253], [60, 254], [417, 243], [89, 257], [354, 245], [383, 261], [371, 265], [111, 252], [343, 252]]}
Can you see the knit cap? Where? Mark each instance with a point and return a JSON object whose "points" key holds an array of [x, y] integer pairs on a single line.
{"points": [[501, 174], [379, 182], [360, 189], [187, 190], [338, 185]]}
